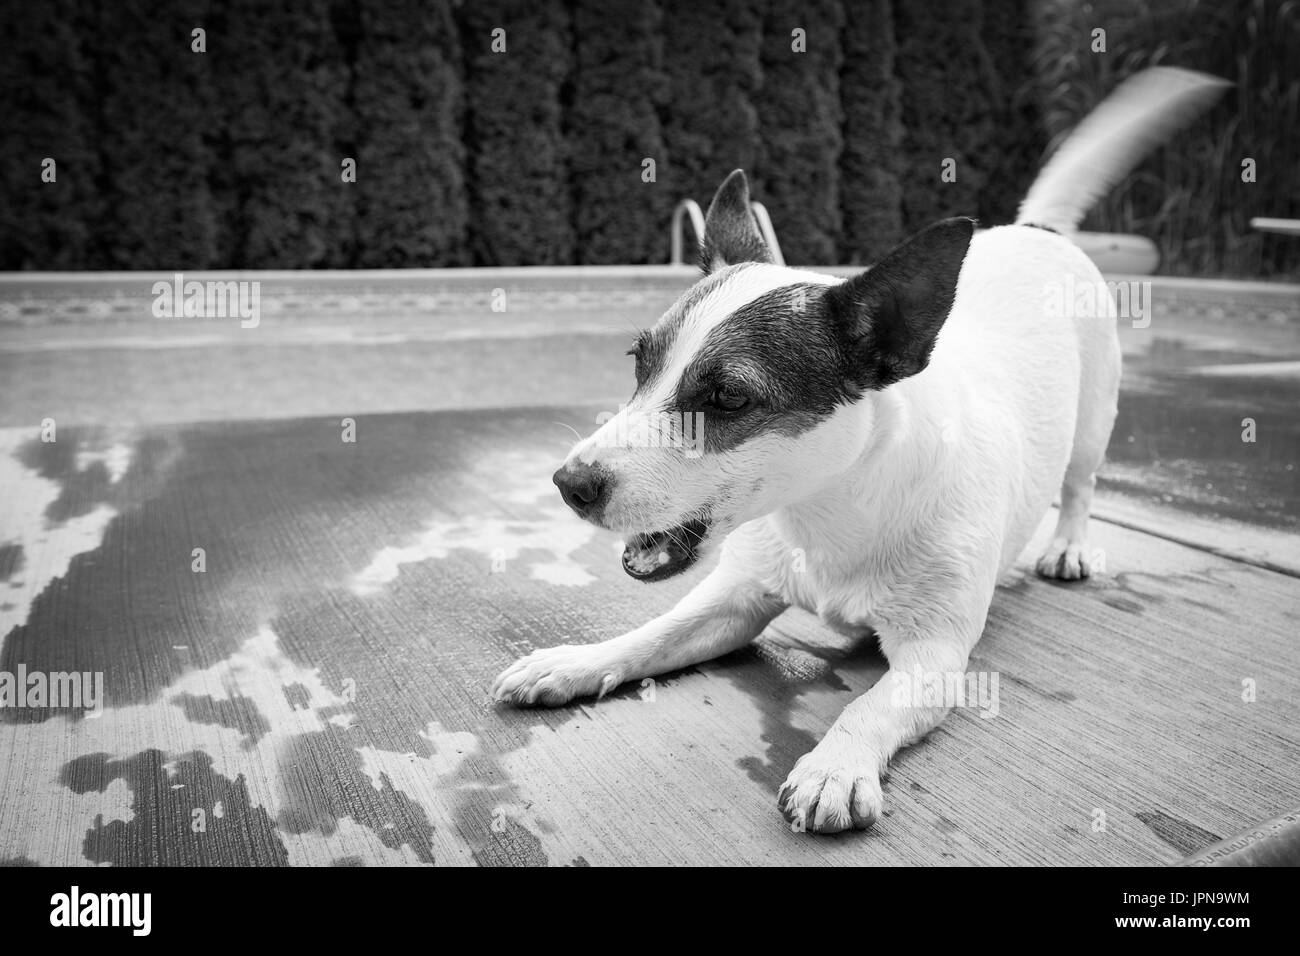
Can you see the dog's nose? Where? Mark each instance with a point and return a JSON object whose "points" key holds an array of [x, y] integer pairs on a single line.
{"points": [[582, 487]]}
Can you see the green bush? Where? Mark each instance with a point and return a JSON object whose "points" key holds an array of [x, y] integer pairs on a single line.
{"points": [[517, 168], [612, 125], [710, 123], [799, 115], [873, 134], [282, 82], [150, 99], [44, 87], [172, 159], [947, 112], [1015, 154], [412, 208]]}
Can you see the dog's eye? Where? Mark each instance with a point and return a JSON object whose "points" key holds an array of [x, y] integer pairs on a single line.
{"points": [[637, 351], [638, 363], [728, 399]]}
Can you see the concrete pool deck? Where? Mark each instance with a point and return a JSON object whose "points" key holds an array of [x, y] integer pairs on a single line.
{"points": [[317, 693]]}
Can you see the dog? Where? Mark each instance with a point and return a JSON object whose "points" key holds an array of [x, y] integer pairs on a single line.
{"points": [[877, 450]]}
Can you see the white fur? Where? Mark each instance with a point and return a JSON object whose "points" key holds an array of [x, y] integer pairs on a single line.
{"points": [[882, 516], [1142, 112], [739, 288], [897, 512], [653, 491]]}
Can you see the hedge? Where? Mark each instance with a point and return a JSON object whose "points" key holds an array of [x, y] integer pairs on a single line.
{"points": [[1019, 140], [947, 113], [282, 82], [514, 136], [612, 129], [873, 134], [47, 92], [412, 208], [799, 118], [232, 158], [710, 124], [152, 96]]}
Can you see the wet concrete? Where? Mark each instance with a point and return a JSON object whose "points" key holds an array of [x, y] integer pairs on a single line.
{"points": [[1192, 375], [1208, 422], [323, 679]]}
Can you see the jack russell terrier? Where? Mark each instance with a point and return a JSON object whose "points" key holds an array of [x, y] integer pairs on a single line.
{"points": [[876, 450]]}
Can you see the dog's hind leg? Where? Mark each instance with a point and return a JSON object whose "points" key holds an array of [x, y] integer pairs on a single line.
{"points": [[725, 611], [1066, 556]]}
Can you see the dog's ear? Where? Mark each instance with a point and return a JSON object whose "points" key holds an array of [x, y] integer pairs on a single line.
{"points": [[730, 233], [890, 316]]}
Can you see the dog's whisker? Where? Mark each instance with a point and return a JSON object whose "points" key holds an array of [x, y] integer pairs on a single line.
{"points": [[576, 433]]}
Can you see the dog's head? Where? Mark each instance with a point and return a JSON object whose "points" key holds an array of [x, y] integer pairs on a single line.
{"points": [[743, 388]]}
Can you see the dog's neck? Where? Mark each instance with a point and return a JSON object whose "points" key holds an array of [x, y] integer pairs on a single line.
{"points": [[907, 430]]}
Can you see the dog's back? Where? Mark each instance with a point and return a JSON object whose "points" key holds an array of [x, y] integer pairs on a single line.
{"points": [[1033, 320], [1009, 368], [878, 447]]}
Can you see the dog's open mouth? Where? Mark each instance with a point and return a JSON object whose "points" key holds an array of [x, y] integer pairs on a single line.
{"points": [[661, 554]]}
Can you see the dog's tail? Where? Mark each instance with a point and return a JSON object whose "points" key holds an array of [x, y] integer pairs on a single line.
{"points": [[1140, 114]]}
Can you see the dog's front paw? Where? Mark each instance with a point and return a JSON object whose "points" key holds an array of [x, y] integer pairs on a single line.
{"points": [[1065, 561], [829, 791], [556, 675]]}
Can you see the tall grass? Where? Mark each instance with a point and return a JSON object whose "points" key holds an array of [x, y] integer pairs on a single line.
{"points": [[1190, 198]]}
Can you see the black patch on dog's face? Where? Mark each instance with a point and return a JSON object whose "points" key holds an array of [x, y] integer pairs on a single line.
{"points": [[799, 351], [653, 346], [788, 351], [781, 352]]}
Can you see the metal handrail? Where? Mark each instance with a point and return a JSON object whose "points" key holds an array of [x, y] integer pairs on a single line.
{"points": [[769, 234], [1285, 227], [689, 207], [683, 208]]}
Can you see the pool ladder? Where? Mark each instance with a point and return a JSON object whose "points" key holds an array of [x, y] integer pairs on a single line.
{"points": [[689, 207]]}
